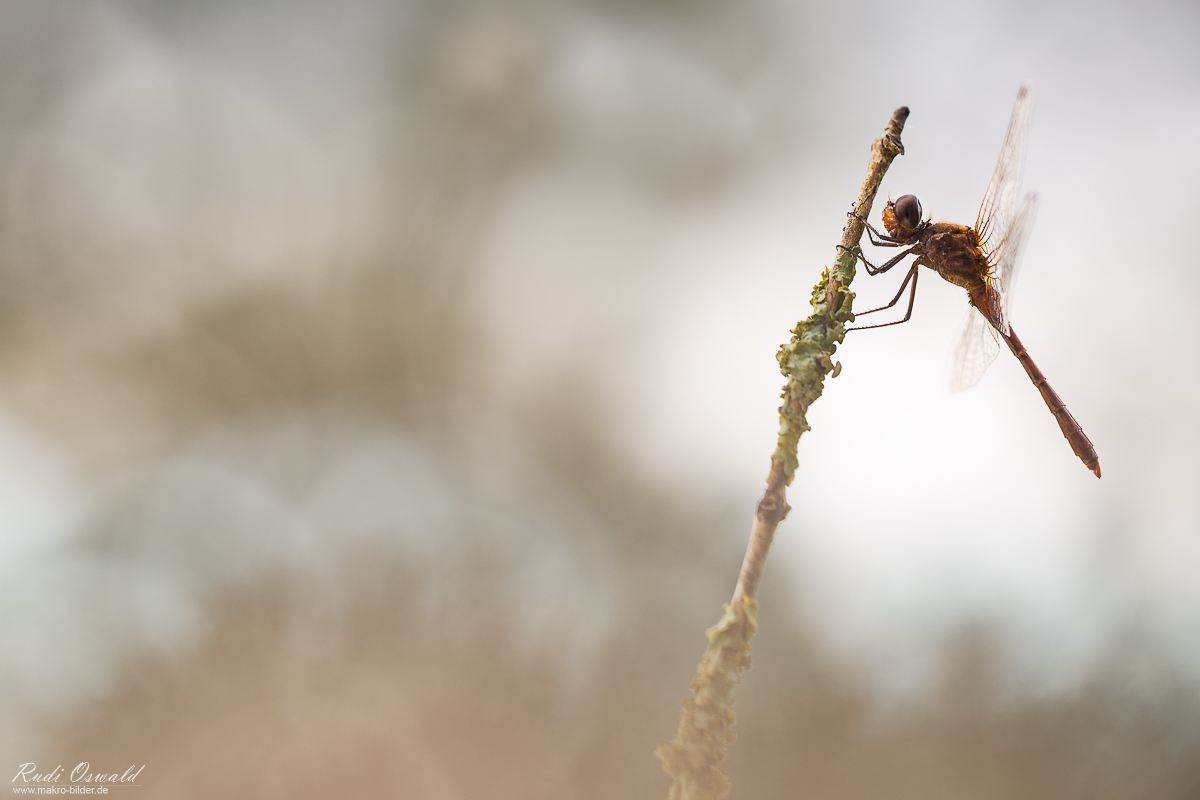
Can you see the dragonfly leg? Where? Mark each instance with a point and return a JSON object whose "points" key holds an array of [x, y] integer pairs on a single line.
{"points": [[912, 296], [871, 268], [878, 239]]}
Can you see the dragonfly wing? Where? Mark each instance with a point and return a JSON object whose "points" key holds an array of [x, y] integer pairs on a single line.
{"points": [[977, 349], [1008, 256], [999, 202]]}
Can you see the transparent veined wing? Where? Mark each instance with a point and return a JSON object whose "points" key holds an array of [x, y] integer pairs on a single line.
{"points": [[1007, 256], [977, 349], [999, 202]]}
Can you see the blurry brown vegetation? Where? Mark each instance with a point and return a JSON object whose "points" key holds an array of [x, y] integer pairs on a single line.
{"points": [[286, 700], [412, 661]]}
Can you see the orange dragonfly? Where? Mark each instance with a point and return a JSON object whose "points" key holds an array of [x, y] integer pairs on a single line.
{"points": [[982, 260]]}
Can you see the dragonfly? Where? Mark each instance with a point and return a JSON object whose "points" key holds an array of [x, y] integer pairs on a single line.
{"points": [[982, 260]]}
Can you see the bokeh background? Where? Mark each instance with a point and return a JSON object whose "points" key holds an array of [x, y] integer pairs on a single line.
{"points": [[386, 389]]}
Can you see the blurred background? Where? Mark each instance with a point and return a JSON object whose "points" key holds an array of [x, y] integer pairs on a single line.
{"points": [[386, 389]]}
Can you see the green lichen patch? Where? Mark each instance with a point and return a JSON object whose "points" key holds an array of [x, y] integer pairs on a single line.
{"points": [[808, 357]]}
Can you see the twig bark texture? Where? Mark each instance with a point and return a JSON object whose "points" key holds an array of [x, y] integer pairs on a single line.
{"points": [[694, 756]]}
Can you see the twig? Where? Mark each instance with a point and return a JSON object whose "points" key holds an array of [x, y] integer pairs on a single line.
{"points": [[693, 757], [806, 359]]}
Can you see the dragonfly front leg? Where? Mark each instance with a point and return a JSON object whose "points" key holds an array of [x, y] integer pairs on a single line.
{"points": [[876, 238], [912, 296], [871, 268]]}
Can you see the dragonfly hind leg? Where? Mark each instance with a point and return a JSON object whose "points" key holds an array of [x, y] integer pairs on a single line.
{"points": [[912, 296]]}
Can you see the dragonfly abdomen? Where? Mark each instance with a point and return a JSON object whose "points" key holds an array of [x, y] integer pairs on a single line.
{"points": [[1070, 428]]}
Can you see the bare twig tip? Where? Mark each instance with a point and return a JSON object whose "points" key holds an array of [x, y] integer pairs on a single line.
{"points": [[891, 136]]}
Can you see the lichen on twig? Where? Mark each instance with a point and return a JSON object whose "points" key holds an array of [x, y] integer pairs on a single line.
{"points": [[694, 756], [808, 357]]}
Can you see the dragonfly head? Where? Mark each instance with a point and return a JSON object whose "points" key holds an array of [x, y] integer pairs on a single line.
{"points": [[902, 217]]}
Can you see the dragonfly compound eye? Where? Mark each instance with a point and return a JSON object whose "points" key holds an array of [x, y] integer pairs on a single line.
{"points": [[908, 211]]}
